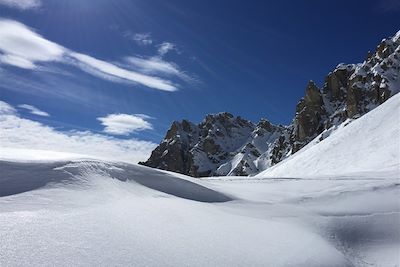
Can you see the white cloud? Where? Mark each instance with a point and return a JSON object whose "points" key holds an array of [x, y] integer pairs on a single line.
{"points": [[156, 65], [143, 116], [22, 47], [113, 70], [17, 61], [34, 110], [165, 48], [6, 109], [124, 124], [17, 132], [141, 38], [21, 4]]}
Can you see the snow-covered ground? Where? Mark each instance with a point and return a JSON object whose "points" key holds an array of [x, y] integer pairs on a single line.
{"points": [[60, 209], [88, 212]]}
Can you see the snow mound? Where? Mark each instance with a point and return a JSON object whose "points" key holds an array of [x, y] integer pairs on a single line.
{"points": [[367, 147], [16, 178], [85, 212], [95, 213]]}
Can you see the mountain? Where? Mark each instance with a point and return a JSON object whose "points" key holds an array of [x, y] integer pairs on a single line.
{"points": [[226, 145], [220, 145], [368, 147]]}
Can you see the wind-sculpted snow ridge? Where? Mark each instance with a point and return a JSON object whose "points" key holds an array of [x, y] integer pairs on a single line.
{"points": [[17, 178], [85, 212], [226, 145]]}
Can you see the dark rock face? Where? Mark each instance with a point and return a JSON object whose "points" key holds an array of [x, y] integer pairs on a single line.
{"points": [[308, 120], [173, 152], [226, 145], [210, 147], [336, 82]]}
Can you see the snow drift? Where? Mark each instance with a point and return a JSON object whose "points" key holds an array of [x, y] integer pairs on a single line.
{"points": [[93, 213], [81, 212]]}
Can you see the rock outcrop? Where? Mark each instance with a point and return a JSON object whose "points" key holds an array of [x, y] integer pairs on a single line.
{"points": [[220, 145], [226, 145]]}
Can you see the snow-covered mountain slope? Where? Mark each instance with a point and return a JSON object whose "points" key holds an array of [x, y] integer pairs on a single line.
{"points": [[225, 145], [367, 147], [84, 212], [349, 91]]}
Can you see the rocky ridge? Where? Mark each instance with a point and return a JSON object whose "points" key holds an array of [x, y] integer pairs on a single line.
{"points": [[226, 145], [220, 145]]}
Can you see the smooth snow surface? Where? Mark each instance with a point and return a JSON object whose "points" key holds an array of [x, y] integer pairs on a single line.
{"points": [[96, 213], [367, 147]]}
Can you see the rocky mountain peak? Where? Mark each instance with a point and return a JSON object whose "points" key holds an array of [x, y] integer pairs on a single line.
{"points": [[266, 125], [224, 119], [201, 149], [223, 144]]}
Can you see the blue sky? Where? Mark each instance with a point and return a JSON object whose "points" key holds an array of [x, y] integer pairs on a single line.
{"points": [[127, 69]]}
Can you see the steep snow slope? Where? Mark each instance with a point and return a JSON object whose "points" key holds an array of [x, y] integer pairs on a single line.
{"points": [[81, 212], [367, 147]]}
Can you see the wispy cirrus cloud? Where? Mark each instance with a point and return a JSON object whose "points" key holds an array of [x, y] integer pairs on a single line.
{"points": [[18, 132], [34, 110], [165, 47], [21, 4], [124, 124], [156, 65], [22, 47], [104, 67], [7, 109], [17, 61], [140, 38], [145, 39]]}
